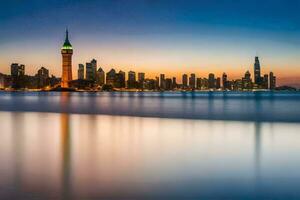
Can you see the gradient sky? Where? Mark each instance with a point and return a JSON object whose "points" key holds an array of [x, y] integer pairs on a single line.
{"points": [[155, 36]]}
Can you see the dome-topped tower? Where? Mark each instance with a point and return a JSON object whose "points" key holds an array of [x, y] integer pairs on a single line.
{"points": [[67, 44], [66, 52]]}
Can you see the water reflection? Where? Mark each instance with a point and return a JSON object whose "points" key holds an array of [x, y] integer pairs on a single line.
{"points": [[48, 156], [66, 156], [259, 107]]}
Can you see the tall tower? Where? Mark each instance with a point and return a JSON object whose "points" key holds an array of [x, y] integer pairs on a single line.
{"points": [[66, 52], [257, 77]]}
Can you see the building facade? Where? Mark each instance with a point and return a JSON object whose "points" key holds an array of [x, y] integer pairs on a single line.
{"points": [[131, 82], [257, 76], [192, 81], [100, 76], [67, 52], [272, 81], [80, 72]]}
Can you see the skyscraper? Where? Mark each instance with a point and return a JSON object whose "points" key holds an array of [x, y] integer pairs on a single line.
{"points": [[94, 69], [110, 77], [192, 81], [257, 77], [272, 81], [211, 81], [100, 77], [174, 83], [42, 77], [91, 70], [80, 71], [204, 83], [265, 82], [218, 83], [131, 83], [156, 82], [199, 83], [141, 79], [184, 81], [120, 79], [162, 84], [168, 84], [17, 70], [17, 74], [67, 52], [224, 81], [246, 81]]}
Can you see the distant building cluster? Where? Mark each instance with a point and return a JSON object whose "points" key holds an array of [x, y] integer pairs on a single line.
{"points": [[92, 77], [19, 80]]}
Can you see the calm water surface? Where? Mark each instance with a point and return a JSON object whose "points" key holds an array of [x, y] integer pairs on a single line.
{"points": [[176, 146]]}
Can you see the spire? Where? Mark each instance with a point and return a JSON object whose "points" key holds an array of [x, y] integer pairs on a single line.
{"points": [[67, 35], [67, 44]]}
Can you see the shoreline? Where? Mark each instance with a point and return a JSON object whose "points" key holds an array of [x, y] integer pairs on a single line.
{"points": [[152, 91]]}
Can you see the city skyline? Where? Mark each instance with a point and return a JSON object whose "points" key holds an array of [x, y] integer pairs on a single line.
{"points": [[194, 37], [93, 78], [90, 70]]}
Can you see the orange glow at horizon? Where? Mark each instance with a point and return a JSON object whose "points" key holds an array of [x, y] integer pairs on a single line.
{"points": [[152, 60]]}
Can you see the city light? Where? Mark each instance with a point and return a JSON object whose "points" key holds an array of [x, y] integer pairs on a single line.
{"points": [[93, 78]]}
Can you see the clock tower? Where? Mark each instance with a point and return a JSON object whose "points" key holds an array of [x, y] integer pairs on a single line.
{"points": [[66, 52]]}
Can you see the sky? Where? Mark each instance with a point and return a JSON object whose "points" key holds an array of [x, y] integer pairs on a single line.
{"points": [[155, 36]]}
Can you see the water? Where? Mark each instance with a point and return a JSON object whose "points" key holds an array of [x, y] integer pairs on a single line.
{"points": [[149, 146], [258, 106]]}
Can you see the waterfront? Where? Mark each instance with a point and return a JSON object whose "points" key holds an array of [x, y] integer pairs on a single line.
{"points": [[240, 106], [115, 146]]}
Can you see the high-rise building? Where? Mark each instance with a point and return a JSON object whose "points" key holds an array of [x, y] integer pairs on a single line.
{"points": [[17, 70], [246, 81], [94, 69], [169, 84], [131, 82], [199, 83], [42, 77], [211, 81], [110, 77], [156, 82], [2, 81], [91, 70], [218, 83], [162, 82], [265, 82], [141, 79], [67, 52], [14, 69], [80, 71], [100, 76], [192, 81], [272, 81], [120, 80], [17, 75], [257, 76], [174, 83], [204, 83], [224, 81], [184, 80]]}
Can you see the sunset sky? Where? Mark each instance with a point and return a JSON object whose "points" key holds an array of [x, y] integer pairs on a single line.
{"points": [[155, 36]]}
